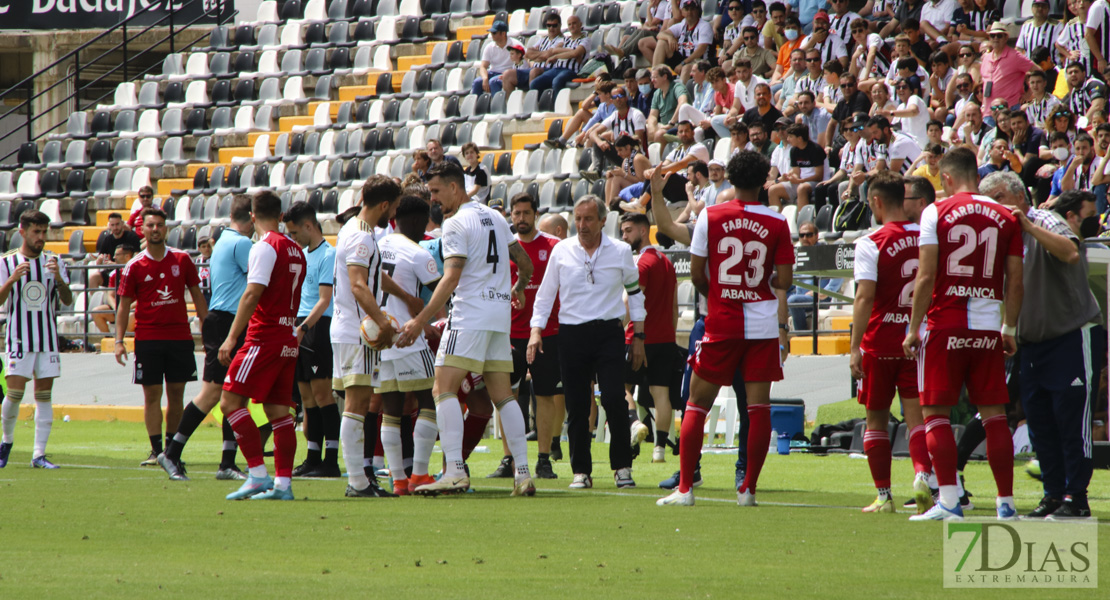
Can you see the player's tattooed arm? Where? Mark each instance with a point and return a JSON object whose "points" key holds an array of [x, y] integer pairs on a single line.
{"points": [[524, 267]]}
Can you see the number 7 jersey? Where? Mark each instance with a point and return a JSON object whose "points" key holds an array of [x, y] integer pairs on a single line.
{"points": [[278, 263], [975, 236], [742, 242]]}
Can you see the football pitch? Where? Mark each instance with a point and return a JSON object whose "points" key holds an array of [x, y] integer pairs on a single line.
{"points": [[102, 527]]}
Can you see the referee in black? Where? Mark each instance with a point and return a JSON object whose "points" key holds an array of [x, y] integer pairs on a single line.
{"points": [[590, 274]]}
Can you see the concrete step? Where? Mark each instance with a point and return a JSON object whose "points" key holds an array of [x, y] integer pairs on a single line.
{"points": [[226, 154], [520, 140], [164, 186]]}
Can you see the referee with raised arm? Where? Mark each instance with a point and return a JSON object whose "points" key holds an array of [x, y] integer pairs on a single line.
{"points": [[590, 273]]}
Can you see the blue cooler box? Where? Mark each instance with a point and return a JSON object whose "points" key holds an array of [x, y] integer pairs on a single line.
{"points": [[788, 416]]}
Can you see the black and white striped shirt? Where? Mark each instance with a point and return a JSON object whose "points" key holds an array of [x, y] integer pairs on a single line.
{"points": [[1035, 36], [1079, 99], [570, 43], [32, 319], [1038, 109], [842, 25], [544, 44], [632, 122], [1071, 38]]}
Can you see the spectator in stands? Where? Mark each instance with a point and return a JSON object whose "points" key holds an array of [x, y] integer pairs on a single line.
{"points": [[880, 99], [420, 164], [738, 138], [116, 234], [1082, 91], [813, 81], [495, 61], [668, 97], [911, 113], [940, 78], [763, 111], [683, 44], [815, 118], [639, 88], [744, 88], [1030, 146], [568, 59], [633, 165], [204, 247], [807, 10], [758, 138], [731, 40], [637, 197], [700, 90], [1000, 158], [969, 25], [904, 12], [919, 194], [475, 176], [773, 32], [881, 12], [840, 22], [1003, 69], [540, 54], [436, 155], [829, 46], [807, 163], [786, 61], [934, 134], [713, 116], [969, 128], [1060, 119], [1078, 171], [828, 94], [852, 101], [799, 299], [105, 314], [830, 190], [554, 224], [146, 200], [960, 92], [868, 61], [795, 72], [625, 121], [931, 168], [763, 61], [936, 19], [697, 192], [661, 14], [601, 103]]}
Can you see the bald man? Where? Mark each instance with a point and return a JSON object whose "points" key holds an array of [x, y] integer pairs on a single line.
{"points": [[554, 224]]}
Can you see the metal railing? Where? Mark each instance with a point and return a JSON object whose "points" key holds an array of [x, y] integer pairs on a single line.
{"points": [[74, 65]]}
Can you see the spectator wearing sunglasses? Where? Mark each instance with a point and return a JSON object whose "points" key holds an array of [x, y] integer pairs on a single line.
{"points": [[829, 190], [852, 101], [1003, 69], [800, 300], [731, 40], [145, 201], [869, 62], [763, 61], [840, 22]]}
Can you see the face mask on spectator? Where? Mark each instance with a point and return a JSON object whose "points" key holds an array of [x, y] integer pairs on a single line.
{"points": [[1061, 153], [791, 34], [645, 88]]}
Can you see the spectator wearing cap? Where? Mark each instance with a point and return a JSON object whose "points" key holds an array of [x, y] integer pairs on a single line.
{"points": [[495, 61], [718, 181], [1038, 32], [683, 44], [568, 58], [829, 45], [1003, 69], [670, 94]]}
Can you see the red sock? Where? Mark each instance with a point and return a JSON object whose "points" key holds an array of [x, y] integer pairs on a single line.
{"points": [[759, 437], [1000, 453], [474, 426], [876, 444], [942, 448], [689, 445], [919, 451], [285, 446], [247, 436]]}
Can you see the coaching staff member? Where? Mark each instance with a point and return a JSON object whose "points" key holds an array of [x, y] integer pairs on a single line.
{"points": [[1060, 336], [590, 273]]}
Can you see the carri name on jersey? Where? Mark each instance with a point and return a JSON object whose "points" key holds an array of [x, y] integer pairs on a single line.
{"points": [[741, 223], [975, 343], [899, 245], [975, 208], [967, 291]]}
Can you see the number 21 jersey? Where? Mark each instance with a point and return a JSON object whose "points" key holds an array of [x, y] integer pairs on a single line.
{"points": [[743, 242], [975, 235]]}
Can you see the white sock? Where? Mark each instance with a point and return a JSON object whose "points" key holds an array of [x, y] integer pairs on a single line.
{"points": [[378, 462], [423, 441], [313, 446], [950, 495], [230, 445], [9, 413], [391, 443], [512, 426], [44, 419], [259, 472], [960, 485], [282, 483], [352, 437], [449, 418], [933, 481]]}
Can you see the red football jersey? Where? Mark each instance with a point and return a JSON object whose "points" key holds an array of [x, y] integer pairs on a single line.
{"points": [[658, 283], [158, 288], [889, 257], [278, 263], [975, 236], [539, 250], [743, 242]]}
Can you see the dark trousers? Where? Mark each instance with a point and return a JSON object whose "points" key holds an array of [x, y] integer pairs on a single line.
{"points": [[594, 351], [1058, 382], [737, 386]]}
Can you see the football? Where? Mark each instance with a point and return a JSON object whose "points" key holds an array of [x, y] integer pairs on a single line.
{"points": [[370, 330]]}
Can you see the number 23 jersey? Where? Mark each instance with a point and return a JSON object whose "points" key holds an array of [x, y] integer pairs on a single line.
{"points": [[975, 236], [482, 298], [743, 242]]}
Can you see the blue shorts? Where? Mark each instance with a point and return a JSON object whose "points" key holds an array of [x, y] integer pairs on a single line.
{"points": [[632, 192]]}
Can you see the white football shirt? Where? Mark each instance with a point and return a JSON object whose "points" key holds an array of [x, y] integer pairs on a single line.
{"points": [[409, 265], [355, 245], [482, 298]]}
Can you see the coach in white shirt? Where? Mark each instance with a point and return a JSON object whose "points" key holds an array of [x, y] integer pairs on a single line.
{"points": [[590, 273]]}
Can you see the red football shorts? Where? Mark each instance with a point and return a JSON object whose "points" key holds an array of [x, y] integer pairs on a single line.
{"points": [[952, 358], [882, 376], [716, 359], [264, 372]]}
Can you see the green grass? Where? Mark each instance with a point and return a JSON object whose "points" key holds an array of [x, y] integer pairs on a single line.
{"points": [[103, 528]]}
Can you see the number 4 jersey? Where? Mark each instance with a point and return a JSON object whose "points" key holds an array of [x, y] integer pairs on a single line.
{"points": [[743, 242], [482, 299], [888, 256], [975, 235]]}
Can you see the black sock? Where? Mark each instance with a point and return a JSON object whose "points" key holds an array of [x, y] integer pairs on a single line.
{"points": [[313, 433], [543, 456], [633, 415], [230, 447], [372, 429], [156, 444], [407, 448], [661, 438], [329, 420], [191, 418], [555, 443]]}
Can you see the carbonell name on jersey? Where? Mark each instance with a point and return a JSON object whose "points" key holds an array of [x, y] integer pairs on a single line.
{"points": [[749, 224], [899, 245], [966, 291], [977, 343], [975, 208]]}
